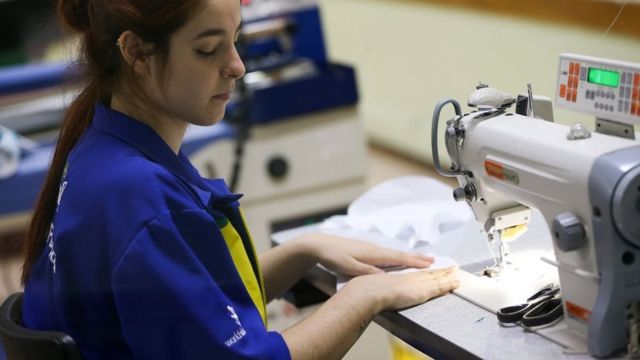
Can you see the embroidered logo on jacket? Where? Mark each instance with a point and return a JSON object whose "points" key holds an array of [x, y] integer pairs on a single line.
{"points": [[49, 241], [239, 333], [52, 251]]}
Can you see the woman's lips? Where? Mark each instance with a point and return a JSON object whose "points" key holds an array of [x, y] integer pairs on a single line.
{"points": [[224, 96]]}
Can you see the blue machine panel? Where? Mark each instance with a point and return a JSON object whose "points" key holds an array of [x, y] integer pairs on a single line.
{"points": [[333, 87], [21, 78]]}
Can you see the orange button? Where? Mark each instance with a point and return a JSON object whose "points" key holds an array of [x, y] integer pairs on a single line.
{"points": [[633, 108], [563, 90], [577, 70], [574, 96], [572, 82], [636, 80], [571, 67], [635, 94]]}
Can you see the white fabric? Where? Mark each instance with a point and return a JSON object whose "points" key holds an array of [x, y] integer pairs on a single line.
{"points": [[415, 209]]}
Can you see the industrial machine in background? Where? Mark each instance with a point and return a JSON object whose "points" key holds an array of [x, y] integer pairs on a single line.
{"points": [[586, 185], [291, 140]]}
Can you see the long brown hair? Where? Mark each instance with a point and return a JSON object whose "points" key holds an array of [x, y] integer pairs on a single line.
{"points": [[102, 70]]}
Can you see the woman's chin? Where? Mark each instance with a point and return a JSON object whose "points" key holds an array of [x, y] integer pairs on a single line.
{"points": [[211, 118]]}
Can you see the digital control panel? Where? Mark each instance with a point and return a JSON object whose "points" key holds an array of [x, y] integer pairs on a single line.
{"points": [[607, 89]]}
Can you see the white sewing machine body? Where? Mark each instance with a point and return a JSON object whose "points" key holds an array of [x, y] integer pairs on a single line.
{"points": [[529, 161], [588, 190]]}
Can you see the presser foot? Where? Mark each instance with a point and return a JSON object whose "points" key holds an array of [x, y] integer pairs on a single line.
{"points": [[495, 270], [492, 272]]}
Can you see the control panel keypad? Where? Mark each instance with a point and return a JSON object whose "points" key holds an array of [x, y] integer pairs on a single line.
{"points": [[589, 85]]}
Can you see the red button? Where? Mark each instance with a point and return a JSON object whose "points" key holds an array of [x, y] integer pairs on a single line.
{"points": [[633, 108], [635, 95], [636, 80]]}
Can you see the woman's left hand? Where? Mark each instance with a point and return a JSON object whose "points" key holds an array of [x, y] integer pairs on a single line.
{"points": [[354, 257]]}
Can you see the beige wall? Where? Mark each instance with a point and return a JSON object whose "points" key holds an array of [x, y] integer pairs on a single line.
{"points": [[409, 55]]}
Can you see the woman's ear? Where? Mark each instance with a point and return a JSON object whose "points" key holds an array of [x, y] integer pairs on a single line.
{"points": [[134, 51]]}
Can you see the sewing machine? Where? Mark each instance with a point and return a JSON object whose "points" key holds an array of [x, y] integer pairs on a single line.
{"points": [[585, 184], [292, 142]]}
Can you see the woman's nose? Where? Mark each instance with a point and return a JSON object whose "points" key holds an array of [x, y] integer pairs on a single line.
{"points": [[235, 67]]}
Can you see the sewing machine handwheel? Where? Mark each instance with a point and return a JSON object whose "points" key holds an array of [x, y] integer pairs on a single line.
{"points": [[626, 207]]}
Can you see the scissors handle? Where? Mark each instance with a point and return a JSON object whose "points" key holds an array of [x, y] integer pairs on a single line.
{"points": [[515, 313], [543, 313], [546, 291], [512, 314]]}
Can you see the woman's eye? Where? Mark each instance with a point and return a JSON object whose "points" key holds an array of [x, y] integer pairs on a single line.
{"points": [[206, 52]]}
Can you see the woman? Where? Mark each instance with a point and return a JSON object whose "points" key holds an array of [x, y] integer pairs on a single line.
{"points": [[135, 255]]}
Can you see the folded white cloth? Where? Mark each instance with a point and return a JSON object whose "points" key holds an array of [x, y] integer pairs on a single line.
{"points": [[416, 209]]}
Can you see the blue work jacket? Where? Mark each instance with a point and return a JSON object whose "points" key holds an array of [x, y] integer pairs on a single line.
{"points": [[137, 263]]}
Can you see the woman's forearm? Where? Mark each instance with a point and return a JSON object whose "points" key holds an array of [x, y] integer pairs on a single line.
{"points": [[330, 331], [283, 265]]}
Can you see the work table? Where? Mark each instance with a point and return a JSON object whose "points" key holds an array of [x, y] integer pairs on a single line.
{"points": [[450, 326]]}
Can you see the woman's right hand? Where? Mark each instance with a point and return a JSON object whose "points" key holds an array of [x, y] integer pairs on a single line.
{"points": [[331, 330], [400, 291]]}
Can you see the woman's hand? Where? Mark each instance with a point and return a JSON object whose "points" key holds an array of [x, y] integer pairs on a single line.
{"points": [[341, 319], [353, 257], [400, 291]]}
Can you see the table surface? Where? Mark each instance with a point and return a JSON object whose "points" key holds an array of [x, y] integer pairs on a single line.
{"points": [[450, 326]]}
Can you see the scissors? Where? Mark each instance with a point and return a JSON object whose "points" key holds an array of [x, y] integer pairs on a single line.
{"points": [[541, 308]]}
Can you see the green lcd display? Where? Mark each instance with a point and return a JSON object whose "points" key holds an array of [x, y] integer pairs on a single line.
{"points": [[604, 77]]}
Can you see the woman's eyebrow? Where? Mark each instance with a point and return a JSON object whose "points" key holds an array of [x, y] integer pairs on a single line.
{"points": [[214, 32], [210, 32]]}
